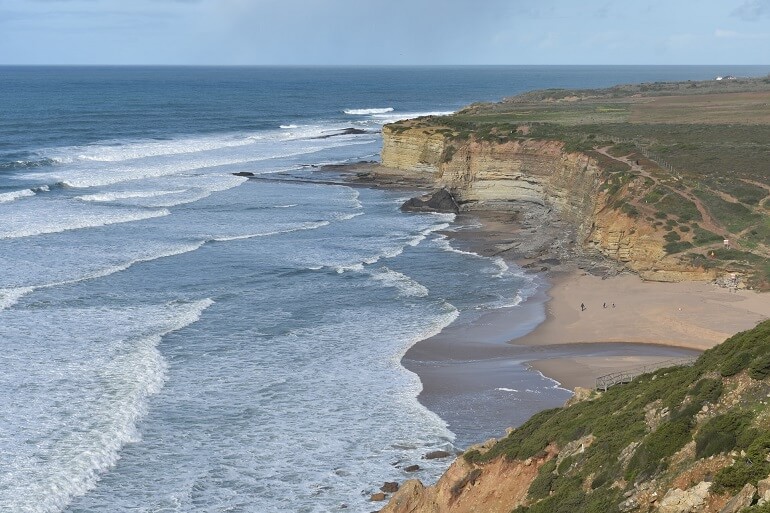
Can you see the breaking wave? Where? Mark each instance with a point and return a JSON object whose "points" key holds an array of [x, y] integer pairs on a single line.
{"points": [[365, 112]]}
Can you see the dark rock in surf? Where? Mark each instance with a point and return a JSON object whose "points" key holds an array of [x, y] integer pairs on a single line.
{"points": [[434, 455], [389, 487], [243, 173], [412, 468], [347, 131], [440, 201]]}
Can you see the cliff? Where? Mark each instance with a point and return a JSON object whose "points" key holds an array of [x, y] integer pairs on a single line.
{"points": [[581, 189], [681, 440]]}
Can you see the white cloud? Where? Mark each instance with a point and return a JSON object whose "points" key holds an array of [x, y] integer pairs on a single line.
{"points": [[751, 10], [732, 34]]}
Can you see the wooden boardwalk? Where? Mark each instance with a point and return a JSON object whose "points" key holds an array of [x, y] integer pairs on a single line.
{"points": [[627, 375]]}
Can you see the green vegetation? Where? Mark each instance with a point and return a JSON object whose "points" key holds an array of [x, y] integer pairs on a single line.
{"points": [[684, 209], [703, 236], [747, 469], [616, 419], [677, 247], [541, 486], [721, 434], [679, 152], [735, 364], [735, 216], [760, 367], [449, 151], [652, 455]]}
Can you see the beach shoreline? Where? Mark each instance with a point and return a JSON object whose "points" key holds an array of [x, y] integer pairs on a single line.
{"points": [[547, 333], [691, 315]]}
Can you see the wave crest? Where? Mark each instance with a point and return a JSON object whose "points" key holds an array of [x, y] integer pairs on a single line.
{"points": [[7, 197], [365, 112]]}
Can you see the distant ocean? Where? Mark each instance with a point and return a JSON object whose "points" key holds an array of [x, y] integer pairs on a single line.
{"points": [[179, 339]]}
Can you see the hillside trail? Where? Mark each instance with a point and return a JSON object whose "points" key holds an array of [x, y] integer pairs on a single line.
{"points": [[765, 202], [707, 221]]}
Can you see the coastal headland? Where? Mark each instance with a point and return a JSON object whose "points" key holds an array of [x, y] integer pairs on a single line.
{"points": [[648, 209], [654, 198]]}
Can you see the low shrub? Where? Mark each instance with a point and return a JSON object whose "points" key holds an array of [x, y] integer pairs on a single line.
{"points": [[541, 485], [707, 390], [720, 434], [735, 364], [749, 469], [565, 465], [651, 455], [760, 368], [677, 247], [703, 236]]}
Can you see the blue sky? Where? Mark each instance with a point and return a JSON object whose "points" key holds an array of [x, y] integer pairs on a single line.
{"points": [[384, 32]]}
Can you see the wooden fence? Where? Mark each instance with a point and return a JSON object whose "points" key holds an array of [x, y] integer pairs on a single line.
{"points": [[627, 375]]}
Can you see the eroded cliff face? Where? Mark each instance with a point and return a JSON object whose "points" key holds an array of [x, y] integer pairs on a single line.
{"points": [[497, 487], [493, 175]]}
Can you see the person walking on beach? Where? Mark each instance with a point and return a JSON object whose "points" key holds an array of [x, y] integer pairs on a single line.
{"points": [[604, 305]]}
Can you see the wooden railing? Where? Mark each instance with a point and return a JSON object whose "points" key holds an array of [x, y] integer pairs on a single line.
{"points": [[626, 376]]}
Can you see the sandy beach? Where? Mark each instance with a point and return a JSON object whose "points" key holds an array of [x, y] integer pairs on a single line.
{"points": [[626, 323], [626, 309]]}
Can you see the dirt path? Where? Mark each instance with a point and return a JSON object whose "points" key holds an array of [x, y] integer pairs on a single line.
{"points": [[707, 222]]}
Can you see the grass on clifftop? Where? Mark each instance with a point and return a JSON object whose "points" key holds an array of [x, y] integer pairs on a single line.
{"points": [[690, 158], [641, 430]]}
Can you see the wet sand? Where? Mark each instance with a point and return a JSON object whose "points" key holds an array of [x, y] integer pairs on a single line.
{"points": [[691, 315], [494, 372]]}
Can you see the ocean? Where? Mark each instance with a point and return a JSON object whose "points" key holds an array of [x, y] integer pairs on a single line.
{"points": [[180, 339]]}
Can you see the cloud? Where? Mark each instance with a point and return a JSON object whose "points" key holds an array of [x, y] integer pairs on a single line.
{"points": [[752, 10], [732, 34]]}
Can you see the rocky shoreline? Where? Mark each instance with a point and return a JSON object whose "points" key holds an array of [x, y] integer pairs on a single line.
{"points": [[528, 233], [534, 236]]}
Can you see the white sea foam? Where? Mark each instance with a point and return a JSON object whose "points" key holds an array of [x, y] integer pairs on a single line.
{"points": [[7, 197], [115, 196], [80, 177], [503, 389], [18, 223], [98, 423], [556, 384], [9, 297], [443, 242], [400, 116], [347, 217], [302, 227], [406, 286], [100, 165], [289, 126], [501, 265], [507, 302], [364, 112], [353, 267], [116, 151]]}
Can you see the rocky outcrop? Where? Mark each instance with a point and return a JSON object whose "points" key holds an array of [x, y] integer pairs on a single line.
{"points": [[763, 490], [495, 487], [439, 201], [633, 449], [490, 175], [685, 501], [743, 500]]}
